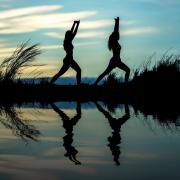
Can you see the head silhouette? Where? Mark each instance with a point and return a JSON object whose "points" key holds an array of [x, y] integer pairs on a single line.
{"points": [[68, 36], [112, 39]]}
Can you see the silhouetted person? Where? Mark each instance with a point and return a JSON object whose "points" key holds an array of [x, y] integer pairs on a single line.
{"points": [[68, 60], [115, 60], [68, 125], [115, 124]]}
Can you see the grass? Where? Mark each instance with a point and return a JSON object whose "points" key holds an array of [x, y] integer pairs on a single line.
{"points": [[165, 72], [152, 90], [148, 83], [22, 57], [112, 80]]}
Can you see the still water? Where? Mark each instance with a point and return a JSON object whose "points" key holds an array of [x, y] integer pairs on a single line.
{"points": [[86, 141]]}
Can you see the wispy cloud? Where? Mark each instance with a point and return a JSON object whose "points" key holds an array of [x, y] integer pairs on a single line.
{"points": [[30, 19], [90, 34], [35, 18], [45, 47], [139, 31], [11, 13], [6, 51], [37, 71]]}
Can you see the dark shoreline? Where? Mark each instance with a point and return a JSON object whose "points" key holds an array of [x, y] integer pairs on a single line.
{"points": [[162, 104], [153, 99], [124, 93]]}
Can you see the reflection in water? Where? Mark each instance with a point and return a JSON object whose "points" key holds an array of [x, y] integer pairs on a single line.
{"points": [[19, 127], [165, 115], [68, 124], [169, 120], [144, 150], [115, 124]]}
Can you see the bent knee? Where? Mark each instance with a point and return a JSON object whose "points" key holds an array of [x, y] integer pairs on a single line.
{"points": [[128, 70], [78, 70]]}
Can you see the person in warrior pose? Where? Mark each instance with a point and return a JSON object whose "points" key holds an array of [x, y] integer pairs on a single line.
{"points": [[116, 49], [115, 124], [68, 124], [68, 60]]}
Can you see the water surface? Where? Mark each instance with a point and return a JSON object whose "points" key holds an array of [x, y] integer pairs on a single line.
{"points": [[87, 140]]}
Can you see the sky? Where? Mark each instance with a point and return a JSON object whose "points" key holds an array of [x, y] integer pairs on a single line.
{"points": [[147, 27]]}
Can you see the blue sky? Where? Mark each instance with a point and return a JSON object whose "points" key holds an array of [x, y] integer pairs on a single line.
{"points": [[147, 27]]}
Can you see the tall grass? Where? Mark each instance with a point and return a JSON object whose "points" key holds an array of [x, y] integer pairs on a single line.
{"points": [[167, 71], [11, 67], [112, 80]]}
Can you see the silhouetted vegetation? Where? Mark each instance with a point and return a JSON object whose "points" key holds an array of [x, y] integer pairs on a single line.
{"points": [[22, 57], [164, 74], [166, 115], [158, 84], [112, 80], [10, 118]]}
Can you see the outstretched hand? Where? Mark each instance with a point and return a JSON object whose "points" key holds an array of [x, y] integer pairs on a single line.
{"points": [[116, 19], [77, 22]]}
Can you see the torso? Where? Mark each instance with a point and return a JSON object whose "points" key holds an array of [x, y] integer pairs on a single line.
{"points": [[68, 47], [116, 48]]}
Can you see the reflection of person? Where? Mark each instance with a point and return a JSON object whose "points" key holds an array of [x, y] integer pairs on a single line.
{"points": [[68, 125], [68, 60], [115, 124], [115, 60]]}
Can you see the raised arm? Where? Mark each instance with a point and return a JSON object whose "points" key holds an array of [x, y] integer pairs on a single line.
{"points": [[77, 117], [61, 113], [74, 28], [106, 114], [116, 26], [126, 116]]}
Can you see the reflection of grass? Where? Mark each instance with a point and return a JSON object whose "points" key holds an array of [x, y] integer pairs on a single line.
{"points": [[11, 120], [10, 70], [167, 115], [147, 91], [153, 90]]}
